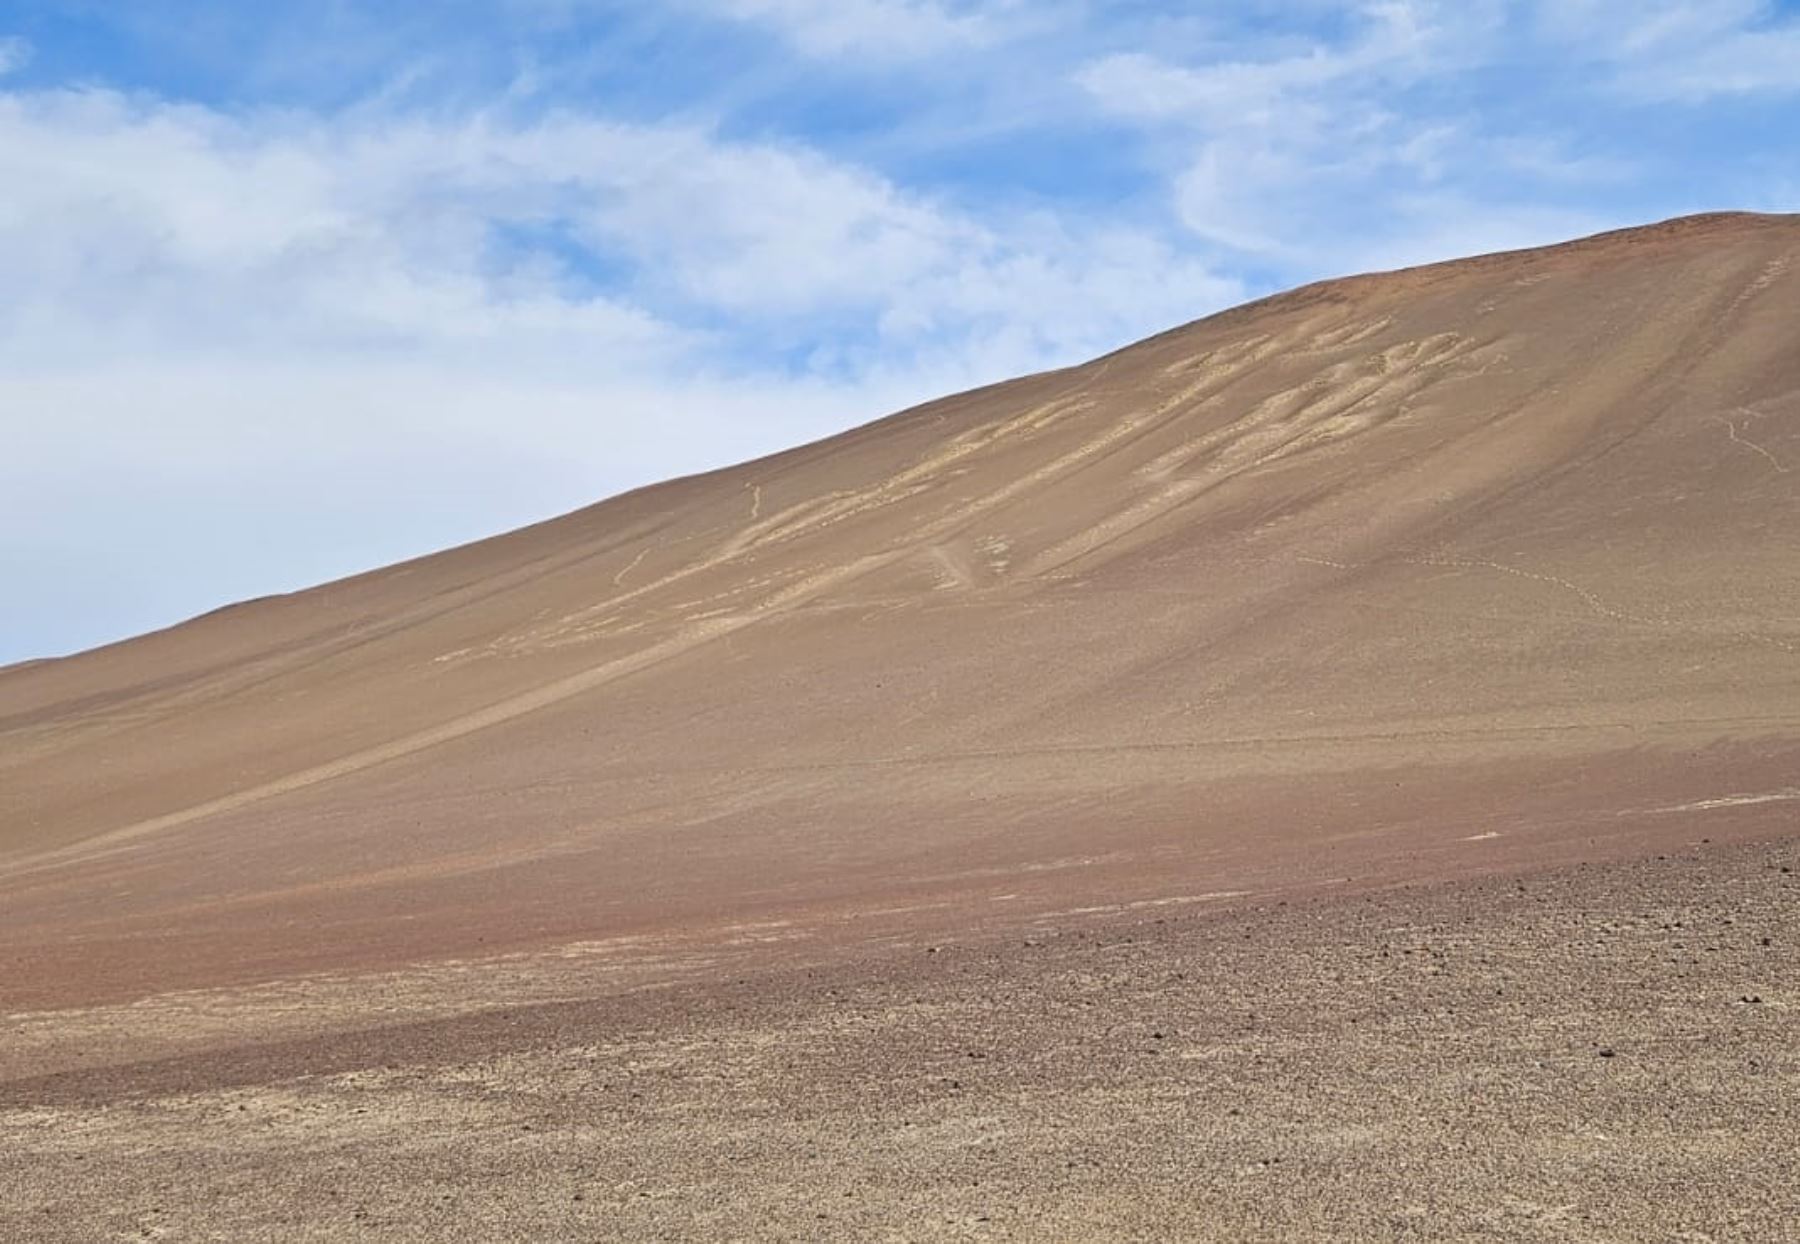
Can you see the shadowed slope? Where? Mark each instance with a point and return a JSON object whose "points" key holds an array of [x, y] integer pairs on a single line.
{"points": [[1403, 576]]}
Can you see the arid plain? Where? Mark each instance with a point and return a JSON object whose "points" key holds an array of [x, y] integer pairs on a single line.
{"points": [[1328, 770]]}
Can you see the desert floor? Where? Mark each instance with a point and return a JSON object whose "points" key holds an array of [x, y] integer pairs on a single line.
{"points": [[1327, 770], [1608, 1052]]}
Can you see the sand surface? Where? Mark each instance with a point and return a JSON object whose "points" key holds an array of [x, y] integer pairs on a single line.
{"points": [[1433, 579], [1590, 1054]]}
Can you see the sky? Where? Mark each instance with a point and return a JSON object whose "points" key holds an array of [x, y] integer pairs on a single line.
{"points": [[293, 291]]}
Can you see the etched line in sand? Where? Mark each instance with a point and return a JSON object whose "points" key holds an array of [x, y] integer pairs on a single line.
{"points": [[959, 572], [1732, 432], [1346, 399], [619, 579], [817, 513], [1590, 599], [695, 633], [1593, 601], [822, 511], [1174, 900], [692, 635], [1771, 272], [1786, 795], [810, 516]]}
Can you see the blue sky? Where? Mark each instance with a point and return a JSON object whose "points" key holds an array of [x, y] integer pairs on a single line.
{"points": [[290, 291]]}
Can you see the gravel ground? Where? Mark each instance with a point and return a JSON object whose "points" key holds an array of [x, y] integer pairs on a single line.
{"points": [[1598, 1054]]}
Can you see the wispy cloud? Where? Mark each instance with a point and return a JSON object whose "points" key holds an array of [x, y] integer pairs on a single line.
{"points": [[1681, 50], [879, 29], [1390, 42], [1272, 148], [15, 53], [1406, 128], [541, 309], [394, 232]]}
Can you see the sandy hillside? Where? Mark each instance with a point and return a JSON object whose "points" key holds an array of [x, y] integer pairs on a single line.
{"points": [[1431, 579]]}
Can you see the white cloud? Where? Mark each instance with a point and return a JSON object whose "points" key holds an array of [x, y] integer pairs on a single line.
{"points": [[1396, 41], [1682, 50], [356, 312], [879, 29], [1315, 157], [393, 235], [1745, 63], [15, 54]]}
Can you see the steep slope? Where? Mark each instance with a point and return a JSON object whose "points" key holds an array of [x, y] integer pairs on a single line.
{"points": [[1407, 576]]}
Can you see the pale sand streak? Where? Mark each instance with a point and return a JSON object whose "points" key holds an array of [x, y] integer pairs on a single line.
{"points": [[1731, 430], [692, 636]]}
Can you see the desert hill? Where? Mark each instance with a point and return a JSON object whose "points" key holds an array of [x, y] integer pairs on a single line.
{"points": [[1423, 575]]}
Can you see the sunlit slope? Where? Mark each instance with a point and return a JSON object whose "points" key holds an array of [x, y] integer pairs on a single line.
{"points": [[1507, 548]]}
